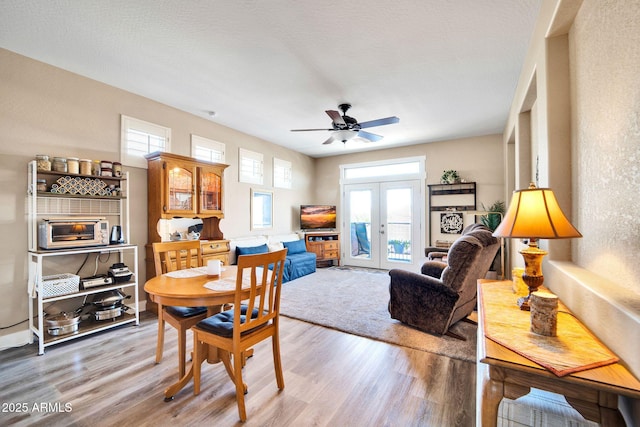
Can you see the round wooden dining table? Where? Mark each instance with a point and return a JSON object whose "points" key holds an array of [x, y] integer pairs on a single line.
{"points": [[186, 288]]}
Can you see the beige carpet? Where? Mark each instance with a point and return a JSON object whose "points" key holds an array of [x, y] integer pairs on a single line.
{"points": [[355, 301]]}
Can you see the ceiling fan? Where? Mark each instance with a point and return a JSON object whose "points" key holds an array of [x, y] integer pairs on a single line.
{"points": [[346, 128]]}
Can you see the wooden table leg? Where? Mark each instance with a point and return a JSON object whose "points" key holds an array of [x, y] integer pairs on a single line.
{"points": [[492, 392], [173, 389]]}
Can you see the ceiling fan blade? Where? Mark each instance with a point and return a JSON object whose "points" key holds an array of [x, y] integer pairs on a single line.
{"points": [[336, 117], [308, 130], [380, 122], [329, 141], [369, 137]]}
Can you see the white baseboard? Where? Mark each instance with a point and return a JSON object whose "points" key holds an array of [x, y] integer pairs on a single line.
{"points": [[15, 339]]}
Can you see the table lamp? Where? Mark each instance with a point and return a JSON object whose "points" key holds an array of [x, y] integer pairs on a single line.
{"points": [[534, 214]]}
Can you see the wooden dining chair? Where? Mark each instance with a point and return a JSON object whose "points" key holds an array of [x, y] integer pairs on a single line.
{"points": [[234, 331], [167, 257]]}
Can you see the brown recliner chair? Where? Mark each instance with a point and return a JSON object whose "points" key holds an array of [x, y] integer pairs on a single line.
{"points": [[445, 292]]}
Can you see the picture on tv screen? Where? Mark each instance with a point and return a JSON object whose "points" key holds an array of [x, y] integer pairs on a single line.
{"points": [[314, 217]]}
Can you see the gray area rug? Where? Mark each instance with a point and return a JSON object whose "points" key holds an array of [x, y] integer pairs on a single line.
{"points": [[355, 301]]}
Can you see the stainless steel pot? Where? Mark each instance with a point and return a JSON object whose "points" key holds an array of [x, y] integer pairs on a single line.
{"points": [[109, 298], [110, 313], [63, 323]]}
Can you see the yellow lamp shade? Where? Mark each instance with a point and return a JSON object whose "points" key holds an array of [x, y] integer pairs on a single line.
{"points": [[535, 213]]}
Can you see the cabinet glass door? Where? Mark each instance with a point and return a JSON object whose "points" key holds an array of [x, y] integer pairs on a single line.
{"points": [[180, 187], [210, 191]]}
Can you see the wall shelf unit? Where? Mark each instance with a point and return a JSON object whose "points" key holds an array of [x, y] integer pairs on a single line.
{"points": [[43, 263], [458, 197]]}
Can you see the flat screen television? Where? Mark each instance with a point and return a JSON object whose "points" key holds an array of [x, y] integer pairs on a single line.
{"points": [[314, 217]]}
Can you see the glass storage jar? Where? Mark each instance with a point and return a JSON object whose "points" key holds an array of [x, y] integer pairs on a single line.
{"points": [[42, 162], [117, 169], [73, 165], [60, 164], [41, 185], [85, 167], [95, 168]]}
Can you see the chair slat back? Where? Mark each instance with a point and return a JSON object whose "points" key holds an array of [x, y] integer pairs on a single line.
{"points": [[171, 256], [264, 294]]}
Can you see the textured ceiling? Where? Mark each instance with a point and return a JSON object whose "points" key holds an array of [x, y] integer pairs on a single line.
{"points": [[447, 69]]}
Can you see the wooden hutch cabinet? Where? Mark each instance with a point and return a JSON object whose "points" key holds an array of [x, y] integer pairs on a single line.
{"points": [[183, 187]]}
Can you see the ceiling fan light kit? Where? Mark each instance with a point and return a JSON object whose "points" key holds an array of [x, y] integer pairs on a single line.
{"points": [[346, 128]]}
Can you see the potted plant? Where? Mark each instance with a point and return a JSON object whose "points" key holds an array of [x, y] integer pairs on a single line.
{"points": [[450, 177], [492, 220], [398, 246]]}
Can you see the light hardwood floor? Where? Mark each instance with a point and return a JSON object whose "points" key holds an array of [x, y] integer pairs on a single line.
{"points": [[331, 379]]}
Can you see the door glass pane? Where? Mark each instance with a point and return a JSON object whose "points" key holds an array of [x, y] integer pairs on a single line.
{"points": [[399, 224], [360, 224], [180, 189], [210, 187]]}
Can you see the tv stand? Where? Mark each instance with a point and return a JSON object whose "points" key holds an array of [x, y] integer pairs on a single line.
{"points": [[326, 246]]}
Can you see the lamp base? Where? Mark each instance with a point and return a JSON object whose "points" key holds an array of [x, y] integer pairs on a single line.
{"points": [[523, 303], [532, 275]]}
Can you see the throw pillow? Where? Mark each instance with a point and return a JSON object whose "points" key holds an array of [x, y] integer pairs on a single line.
{"points": [[295, 247], [262, 249]]}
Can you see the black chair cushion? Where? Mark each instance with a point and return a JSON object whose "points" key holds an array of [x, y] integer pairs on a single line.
{"points": [[186, 311], [222, 323]]}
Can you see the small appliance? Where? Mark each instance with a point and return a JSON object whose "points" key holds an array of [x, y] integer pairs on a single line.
{"points": [[95, 281], [116, 235], [120, 272], [65, 233]]}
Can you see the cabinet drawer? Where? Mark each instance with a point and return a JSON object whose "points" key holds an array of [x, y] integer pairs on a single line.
{"points": [[328, 246], [215, 247], [331, 254]]}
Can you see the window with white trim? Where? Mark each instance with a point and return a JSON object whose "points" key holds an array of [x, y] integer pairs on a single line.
{"points": [[282, 173], [207, 149], [139, 138], [250, 166]]}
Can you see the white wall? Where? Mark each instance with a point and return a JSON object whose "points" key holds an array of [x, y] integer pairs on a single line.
{"points": [[584, 59]]}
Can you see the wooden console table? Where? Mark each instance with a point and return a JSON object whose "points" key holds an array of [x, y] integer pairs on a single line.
{"points": [[504, 373]]}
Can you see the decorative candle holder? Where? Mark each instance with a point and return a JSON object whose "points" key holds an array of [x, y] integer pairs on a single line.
{"points": [[544, 313]]}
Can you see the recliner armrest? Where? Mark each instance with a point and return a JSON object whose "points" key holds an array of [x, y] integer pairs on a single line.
{"points": [[419, 283], [433, 268]]}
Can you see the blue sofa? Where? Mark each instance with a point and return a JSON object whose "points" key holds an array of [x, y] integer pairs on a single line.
{"points": [[299, 262]]}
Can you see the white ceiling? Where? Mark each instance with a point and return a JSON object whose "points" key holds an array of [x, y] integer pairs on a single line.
{"points": [[447, 69]]}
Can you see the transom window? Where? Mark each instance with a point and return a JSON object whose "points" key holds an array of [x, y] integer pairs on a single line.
{"points": [[139, 138]]}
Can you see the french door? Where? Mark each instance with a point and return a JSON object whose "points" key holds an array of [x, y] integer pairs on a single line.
{"points": [[382, 224]]}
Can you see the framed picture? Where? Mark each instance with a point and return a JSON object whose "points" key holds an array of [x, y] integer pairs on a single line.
{"points": [[451, 223], [261, 209]]}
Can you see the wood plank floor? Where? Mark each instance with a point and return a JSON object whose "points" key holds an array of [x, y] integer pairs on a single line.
{"points": [[331, 379]]}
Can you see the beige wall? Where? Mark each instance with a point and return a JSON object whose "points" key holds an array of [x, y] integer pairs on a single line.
{"points": [[46, 110], [476, 159], [584, 59]]}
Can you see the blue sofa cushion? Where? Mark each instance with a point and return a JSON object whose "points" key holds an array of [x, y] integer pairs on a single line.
{"points": [[222, 323], [299, 265], [252, 250], [295, 247]]}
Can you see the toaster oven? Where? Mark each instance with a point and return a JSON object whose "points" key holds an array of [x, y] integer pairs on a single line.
{"points": [[65, 233]]}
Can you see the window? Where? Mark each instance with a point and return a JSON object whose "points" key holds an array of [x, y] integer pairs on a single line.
{"points": [[261, 209], [250, 167], [282, 173], [139, 138], [207, 149]]}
